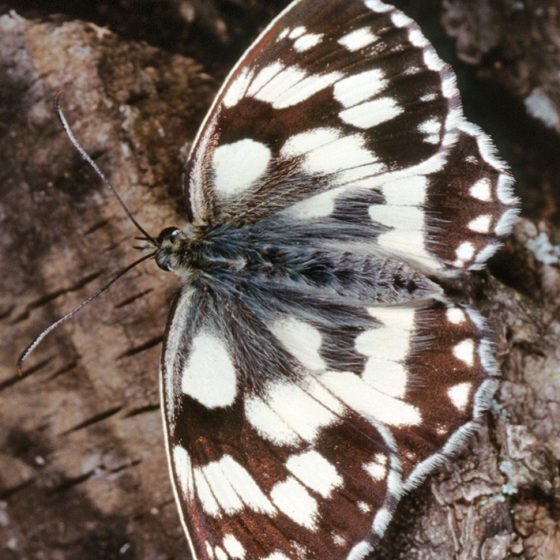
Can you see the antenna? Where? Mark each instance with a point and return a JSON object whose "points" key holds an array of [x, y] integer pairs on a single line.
{"points": [[145, 236], [25, 354], [100, 174]]}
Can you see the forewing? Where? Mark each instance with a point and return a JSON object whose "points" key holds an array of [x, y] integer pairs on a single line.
{"points": [[343, 100], [311, 460]]}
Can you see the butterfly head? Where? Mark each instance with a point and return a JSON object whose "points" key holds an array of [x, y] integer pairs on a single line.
{"points": [[169, 243]]}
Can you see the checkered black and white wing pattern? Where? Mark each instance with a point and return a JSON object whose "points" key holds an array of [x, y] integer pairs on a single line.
{"points": [[325, 372], [344, 100], [349, 415]]}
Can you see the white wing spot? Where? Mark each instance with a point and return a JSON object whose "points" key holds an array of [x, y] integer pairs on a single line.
{"points": [[326, 151], [307, 87], [387, 347], [183, 468], [338, 540], [432, 130], [360, 551], [369, 402], [289, 414], [377, 469], [487, 252], [209, 550], [291, 498], [276, 85], [305, 142], [318, 206], [297, 32], [372, 113], [284, 33], [229, 484], [465, 253], [378, 6], [481, 224], [363, 507], [459, 395], [464, 351], [222, 488], [315, 472], [209, 375], [417, 39], [381, 520], [358, 39], [234, 548], [428, 97], [290, 86], [205, 495], [505, 223], [276, 556], [432, 60], [403, 212], [264, 76], [239, 165], [409, 191], [236, 91], [482, 190], [455, 316], [359, 87], [220, 554], [306, 42], [302, 340], [400, 20]]}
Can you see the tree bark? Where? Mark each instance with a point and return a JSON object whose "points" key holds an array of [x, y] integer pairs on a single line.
{"points": [[82, 462]]}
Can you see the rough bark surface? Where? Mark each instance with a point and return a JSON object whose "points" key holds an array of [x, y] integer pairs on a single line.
{"points": [[82, 463]]}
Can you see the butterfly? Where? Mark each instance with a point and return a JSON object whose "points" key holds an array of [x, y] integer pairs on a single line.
{"points": [[314, 368]]}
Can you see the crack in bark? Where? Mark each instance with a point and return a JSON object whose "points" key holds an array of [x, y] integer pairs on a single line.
{"points": [[42, 301], [133, 298], [62, 370], [94, 419], [26, 373], [143, 347], [142, 410], [70, 482], [9, 492], [96, 226]]}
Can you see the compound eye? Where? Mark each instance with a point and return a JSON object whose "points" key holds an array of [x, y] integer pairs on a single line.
{"points": [[168, 233], [163, 262]]}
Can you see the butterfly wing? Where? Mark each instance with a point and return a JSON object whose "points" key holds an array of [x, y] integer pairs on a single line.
{"points": [[353, 409], [341, 99]]}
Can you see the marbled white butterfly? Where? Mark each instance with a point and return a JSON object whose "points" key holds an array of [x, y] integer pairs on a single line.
{"points": [[314, 368]]}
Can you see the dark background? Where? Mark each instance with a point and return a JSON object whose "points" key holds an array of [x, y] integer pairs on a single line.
{"points": [[82, 467]]}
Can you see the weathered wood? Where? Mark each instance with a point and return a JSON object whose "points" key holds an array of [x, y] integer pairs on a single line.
{"points": [[82, 466]]}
